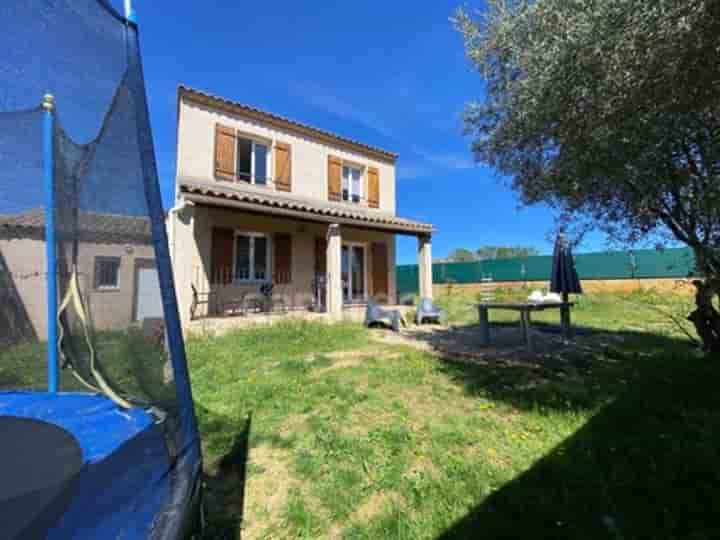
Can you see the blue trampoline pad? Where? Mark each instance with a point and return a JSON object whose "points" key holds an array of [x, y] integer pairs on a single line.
{"points": [[110, 468], [98, 425]]}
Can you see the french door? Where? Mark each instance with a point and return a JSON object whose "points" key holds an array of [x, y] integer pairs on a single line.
{"points": [[353, 269]]}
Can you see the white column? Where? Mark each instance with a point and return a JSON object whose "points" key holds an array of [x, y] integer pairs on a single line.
{"points": [[425, 266], [334, 272]]}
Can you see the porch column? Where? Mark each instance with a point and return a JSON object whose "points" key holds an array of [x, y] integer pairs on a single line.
{"points": [[334, 299], [425, 266]]}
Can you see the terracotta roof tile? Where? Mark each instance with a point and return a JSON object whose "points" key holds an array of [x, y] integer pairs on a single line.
{"points": [[262, 197], [91, 226], [272, 117]]}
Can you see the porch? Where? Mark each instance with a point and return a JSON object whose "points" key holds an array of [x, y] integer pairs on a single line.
{"points": [[219, 325], [238, 262]]}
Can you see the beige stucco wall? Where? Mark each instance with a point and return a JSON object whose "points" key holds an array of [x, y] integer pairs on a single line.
{"points": [[111, 309], [196, 143], [191, 252]]}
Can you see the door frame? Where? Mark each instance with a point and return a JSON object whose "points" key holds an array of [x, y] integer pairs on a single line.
{"points": [[349, 244]]}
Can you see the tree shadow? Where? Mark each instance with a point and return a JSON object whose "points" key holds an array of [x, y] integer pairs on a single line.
{"points": [[646, 464], [224, 496]]}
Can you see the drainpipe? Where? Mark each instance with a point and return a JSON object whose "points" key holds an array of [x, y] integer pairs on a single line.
{"points": [[181, 205]]}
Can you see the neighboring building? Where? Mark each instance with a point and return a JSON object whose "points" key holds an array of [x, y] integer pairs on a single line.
{"points": [[261, 198], [115, 265]]}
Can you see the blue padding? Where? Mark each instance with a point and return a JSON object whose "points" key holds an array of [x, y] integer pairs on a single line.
{"points": [[95, 421], [128, 487]]}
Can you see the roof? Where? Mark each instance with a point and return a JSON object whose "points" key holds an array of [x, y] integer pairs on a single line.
{"points": [[263, 201], [92, 227], [235, 107]]}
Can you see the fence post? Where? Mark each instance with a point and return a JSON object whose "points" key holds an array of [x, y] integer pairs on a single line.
{"points": [[48, 106]]}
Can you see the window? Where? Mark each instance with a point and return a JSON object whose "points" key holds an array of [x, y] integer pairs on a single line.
{"points": [[252, 257], [252, 161], [352, 183], [107, 273]]}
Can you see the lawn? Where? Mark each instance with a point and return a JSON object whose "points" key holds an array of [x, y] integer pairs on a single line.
{"points": [[313, 431]]}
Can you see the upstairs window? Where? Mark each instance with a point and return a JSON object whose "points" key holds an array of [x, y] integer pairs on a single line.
{"points": [[252, 257], [252, 161], [352, 184]]}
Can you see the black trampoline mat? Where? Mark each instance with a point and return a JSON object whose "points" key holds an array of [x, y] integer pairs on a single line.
{"points": [[38, 464]]}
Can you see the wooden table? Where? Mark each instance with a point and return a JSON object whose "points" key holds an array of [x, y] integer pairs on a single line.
{"points": [[525, 308]]}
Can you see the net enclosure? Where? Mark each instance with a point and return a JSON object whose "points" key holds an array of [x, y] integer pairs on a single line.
{"points": [[93, 376]]}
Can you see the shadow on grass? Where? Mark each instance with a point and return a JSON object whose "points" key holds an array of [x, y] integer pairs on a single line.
{"points": [[225, 487], [646, 464]]}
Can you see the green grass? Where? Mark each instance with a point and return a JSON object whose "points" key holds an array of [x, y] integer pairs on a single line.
{"points": [[385, 441], [132, 363], [313, 430]]}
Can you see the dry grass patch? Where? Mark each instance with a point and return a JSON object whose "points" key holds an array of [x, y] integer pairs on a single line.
{"points": [[266, 492]]}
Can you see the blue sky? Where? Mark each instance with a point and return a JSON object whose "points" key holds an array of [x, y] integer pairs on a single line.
{"points": [[392, 74]]}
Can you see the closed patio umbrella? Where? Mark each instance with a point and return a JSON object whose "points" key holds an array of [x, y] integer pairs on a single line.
{"points": [[564, 278]]}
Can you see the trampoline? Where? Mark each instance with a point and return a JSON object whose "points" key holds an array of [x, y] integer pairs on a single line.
{"points": [[99, 436]]}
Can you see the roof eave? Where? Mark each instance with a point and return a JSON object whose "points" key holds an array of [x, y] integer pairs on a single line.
{"points": [[287, 124], [256, 203]]}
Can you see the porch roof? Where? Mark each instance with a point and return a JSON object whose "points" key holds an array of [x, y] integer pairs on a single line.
{"points": [[260, 200]]}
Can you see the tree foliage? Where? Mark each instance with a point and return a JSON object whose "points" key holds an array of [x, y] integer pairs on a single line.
{"points": [[461, 255], [505, 252], [607, 110]]}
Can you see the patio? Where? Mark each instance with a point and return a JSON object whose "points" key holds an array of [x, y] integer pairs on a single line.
{"points": [[221, 324]]}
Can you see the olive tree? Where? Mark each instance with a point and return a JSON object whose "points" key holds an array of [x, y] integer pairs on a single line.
{"points": [[608, 111]]}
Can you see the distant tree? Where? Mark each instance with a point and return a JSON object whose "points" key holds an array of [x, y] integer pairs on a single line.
{"points": [[461, 255], [505, 252], [608, 112]]}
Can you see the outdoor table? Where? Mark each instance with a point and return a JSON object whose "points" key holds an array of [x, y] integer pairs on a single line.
{"points": [[525, 308]]}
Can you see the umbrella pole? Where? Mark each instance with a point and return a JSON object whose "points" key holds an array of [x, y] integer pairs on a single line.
{"points": [[565, 316]]}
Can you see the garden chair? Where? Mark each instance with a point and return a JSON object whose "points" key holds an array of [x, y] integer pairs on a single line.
{"points": [[271, 296], [374, 314], [428, 311]]}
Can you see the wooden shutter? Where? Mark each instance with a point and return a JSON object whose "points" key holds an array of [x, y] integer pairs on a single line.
{"points": [[283, 168], [380, 271], [224, 153], [320, 255], [373, 176], [283, 258], [221, 263], [334, 178]]}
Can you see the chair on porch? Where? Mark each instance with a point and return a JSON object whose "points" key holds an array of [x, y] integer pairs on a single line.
{"points": [[271, 295], [208, 299], [318, 287], [374, 315], [428, 311]]}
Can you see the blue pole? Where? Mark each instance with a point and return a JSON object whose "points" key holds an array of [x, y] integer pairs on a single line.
{"points": [[50, 246], [130, 12]]}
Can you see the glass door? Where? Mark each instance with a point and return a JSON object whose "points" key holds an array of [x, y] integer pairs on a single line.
{"points": [[353, 273], [345, 273]]}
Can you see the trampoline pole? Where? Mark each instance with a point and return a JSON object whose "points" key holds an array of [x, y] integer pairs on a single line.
{"points": [[50, 245], [129, 11]]}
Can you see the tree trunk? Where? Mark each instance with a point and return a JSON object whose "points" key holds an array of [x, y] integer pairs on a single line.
{"points": [[705, 317]]}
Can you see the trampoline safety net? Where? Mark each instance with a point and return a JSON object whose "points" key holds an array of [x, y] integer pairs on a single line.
{"points": [[118, 332]]}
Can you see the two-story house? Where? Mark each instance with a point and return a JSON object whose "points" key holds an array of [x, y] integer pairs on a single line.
{"points": [[264, 199]]}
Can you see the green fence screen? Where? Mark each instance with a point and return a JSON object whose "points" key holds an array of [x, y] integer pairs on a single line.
{"points": [[635, 264]]}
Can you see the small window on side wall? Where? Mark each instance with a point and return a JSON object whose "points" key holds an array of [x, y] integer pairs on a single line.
{"points": [[107, 273]]}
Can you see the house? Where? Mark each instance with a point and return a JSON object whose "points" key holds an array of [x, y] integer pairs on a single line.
{"points": [[114, 260], [265, 199]]}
